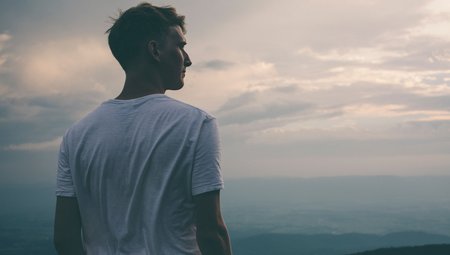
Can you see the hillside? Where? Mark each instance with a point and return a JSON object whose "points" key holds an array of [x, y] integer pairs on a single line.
{"points": [[278, 216], [326, 244], [38, 242], [436, 249]]}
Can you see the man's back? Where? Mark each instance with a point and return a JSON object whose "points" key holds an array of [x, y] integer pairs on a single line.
{"points": [[135, 166], [140, 174]]}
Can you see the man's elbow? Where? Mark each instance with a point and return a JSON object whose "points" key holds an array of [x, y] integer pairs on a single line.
{"points": [[217, 233], [214, 240]]}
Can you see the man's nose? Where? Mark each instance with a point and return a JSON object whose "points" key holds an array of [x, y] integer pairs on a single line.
{"points": [[187, 60]]}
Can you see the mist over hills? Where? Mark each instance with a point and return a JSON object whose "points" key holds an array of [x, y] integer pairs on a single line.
{"points": [[283, 212], [340, 192], [365, 204], [326, 244], [434, 249]]}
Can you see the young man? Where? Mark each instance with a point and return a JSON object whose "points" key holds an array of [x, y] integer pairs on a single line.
{"points": [[140, 174]]}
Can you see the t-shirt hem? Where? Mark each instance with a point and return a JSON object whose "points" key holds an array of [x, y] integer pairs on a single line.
{"points": [[204, 189]]}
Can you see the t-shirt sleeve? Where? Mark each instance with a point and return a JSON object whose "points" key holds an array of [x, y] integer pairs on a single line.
{"points": [[64, 183], [206, 173]]}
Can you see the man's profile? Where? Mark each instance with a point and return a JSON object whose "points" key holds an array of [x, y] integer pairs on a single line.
{"points": [[140, 174]]}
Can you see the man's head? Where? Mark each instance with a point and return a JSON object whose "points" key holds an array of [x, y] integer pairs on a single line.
{"points": [[151, 36]]}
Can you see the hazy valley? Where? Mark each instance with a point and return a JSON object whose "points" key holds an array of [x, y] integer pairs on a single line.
{"points": [[336, 215]]}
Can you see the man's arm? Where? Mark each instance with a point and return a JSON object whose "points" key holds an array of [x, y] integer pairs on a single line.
{"points": [[67, 229], [212, 234]]}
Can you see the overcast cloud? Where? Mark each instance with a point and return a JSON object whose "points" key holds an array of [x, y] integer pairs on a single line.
{"points": [[300, 88]]}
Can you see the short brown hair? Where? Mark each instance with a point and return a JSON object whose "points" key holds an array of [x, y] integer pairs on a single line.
{"points": [[136, 26]]}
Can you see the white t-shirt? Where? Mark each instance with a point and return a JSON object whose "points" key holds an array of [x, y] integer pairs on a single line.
{"points": [[134, 166]]}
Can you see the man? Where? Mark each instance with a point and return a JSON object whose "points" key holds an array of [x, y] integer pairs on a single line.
{"points": [[140, 174]]}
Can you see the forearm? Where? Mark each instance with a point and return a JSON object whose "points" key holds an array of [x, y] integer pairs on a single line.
{"points": [[214, 242], [67, 228]]}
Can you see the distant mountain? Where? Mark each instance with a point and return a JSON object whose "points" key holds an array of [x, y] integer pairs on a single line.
{"points": [[436, 249], [343, 192], [255, 209], [326, 244], [351, 204], [39, 243]]}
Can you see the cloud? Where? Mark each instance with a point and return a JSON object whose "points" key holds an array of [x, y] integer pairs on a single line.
{"points": [[221, 84], [4, 39], [437, 128], [67, 64], [257, 112], [412, 100], [360, 111], [321, 25], [46, 145], [49, 86], [368, 70], [238, 101], [419, 53], [435, 24], [367, 55], [31, 119], [356, 87], [215, 64], [271, 100]]}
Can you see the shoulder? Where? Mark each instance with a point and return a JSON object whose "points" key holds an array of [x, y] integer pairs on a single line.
{"points": [[84, 122], [188, 110]]}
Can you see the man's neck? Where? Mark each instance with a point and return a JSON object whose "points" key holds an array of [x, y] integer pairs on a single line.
{"points": [[138, 86]]}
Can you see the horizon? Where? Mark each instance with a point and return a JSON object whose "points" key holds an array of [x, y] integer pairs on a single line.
{"points": [[333, 205], [47, 182]]}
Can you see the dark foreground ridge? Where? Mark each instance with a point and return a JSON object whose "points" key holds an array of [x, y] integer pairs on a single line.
{"points": [[435, 249], [328, 244]]}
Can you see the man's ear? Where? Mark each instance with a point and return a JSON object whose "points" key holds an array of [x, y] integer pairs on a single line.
{"points": [[153, 49]]}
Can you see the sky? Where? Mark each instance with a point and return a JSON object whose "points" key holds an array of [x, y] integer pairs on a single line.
{"points": [[300, 88]]}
